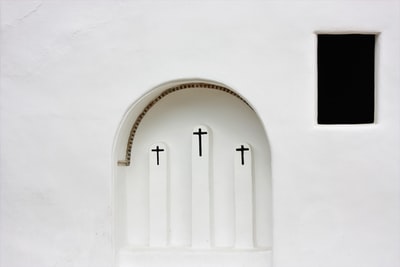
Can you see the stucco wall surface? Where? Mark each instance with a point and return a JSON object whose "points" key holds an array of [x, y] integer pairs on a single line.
{"points": [[70, 70]]}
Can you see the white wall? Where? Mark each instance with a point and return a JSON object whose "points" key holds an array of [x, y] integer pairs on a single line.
{"points": [[70, 69]]}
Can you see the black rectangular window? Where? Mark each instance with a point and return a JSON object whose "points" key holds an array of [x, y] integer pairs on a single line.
{"points": [[346, 78]]}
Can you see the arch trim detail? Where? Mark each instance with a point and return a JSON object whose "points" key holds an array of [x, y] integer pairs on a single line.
{"points": [[188, 85]]}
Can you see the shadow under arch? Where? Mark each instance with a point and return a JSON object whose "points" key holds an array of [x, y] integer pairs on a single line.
{"points": [[203, 85]]}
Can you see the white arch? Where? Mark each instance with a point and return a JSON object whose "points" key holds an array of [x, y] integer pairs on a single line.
{"points": [[232, 121]]}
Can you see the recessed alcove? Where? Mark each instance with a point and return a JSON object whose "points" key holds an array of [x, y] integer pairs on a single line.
{"points": [[192, 180]]}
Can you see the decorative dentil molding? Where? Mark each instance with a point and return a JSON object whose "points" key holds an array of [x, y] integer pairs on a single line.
{"points": [[190, 85]]}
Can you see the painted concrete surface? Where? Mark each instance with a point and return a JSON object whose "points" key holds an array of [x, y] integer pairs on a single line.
{"points": [[70, 70]]}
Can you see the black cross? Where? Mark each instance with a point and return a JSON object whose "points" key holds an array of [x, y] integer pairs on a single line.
{"points": [[242, 149], [199, 133], [158, 150]]}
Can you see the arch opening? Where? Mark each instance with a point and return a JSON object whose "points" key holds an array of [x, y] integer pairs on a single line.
{"points": [[195, 175], [186, 85]]}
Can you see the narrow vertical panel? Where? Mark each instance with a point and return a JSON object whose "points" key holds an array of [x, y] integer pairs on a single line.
{"points": [[158, 195], [137, 206], [243, 196], [223, 201], [180, 187], [201, 187]]}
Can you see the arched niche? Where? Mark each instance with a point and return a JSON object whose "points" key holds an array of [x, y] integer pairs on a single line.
{"points": [[192, 180]]}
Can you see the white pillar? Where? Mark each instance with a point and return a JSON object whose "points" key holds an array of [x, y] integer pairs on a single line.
{"points": [[243, 196], [158, 194], [201, 236]]}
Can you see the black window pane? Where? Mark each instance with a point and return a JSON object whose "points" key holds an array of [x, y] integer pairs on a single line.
{"points": [[346, 78]]}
